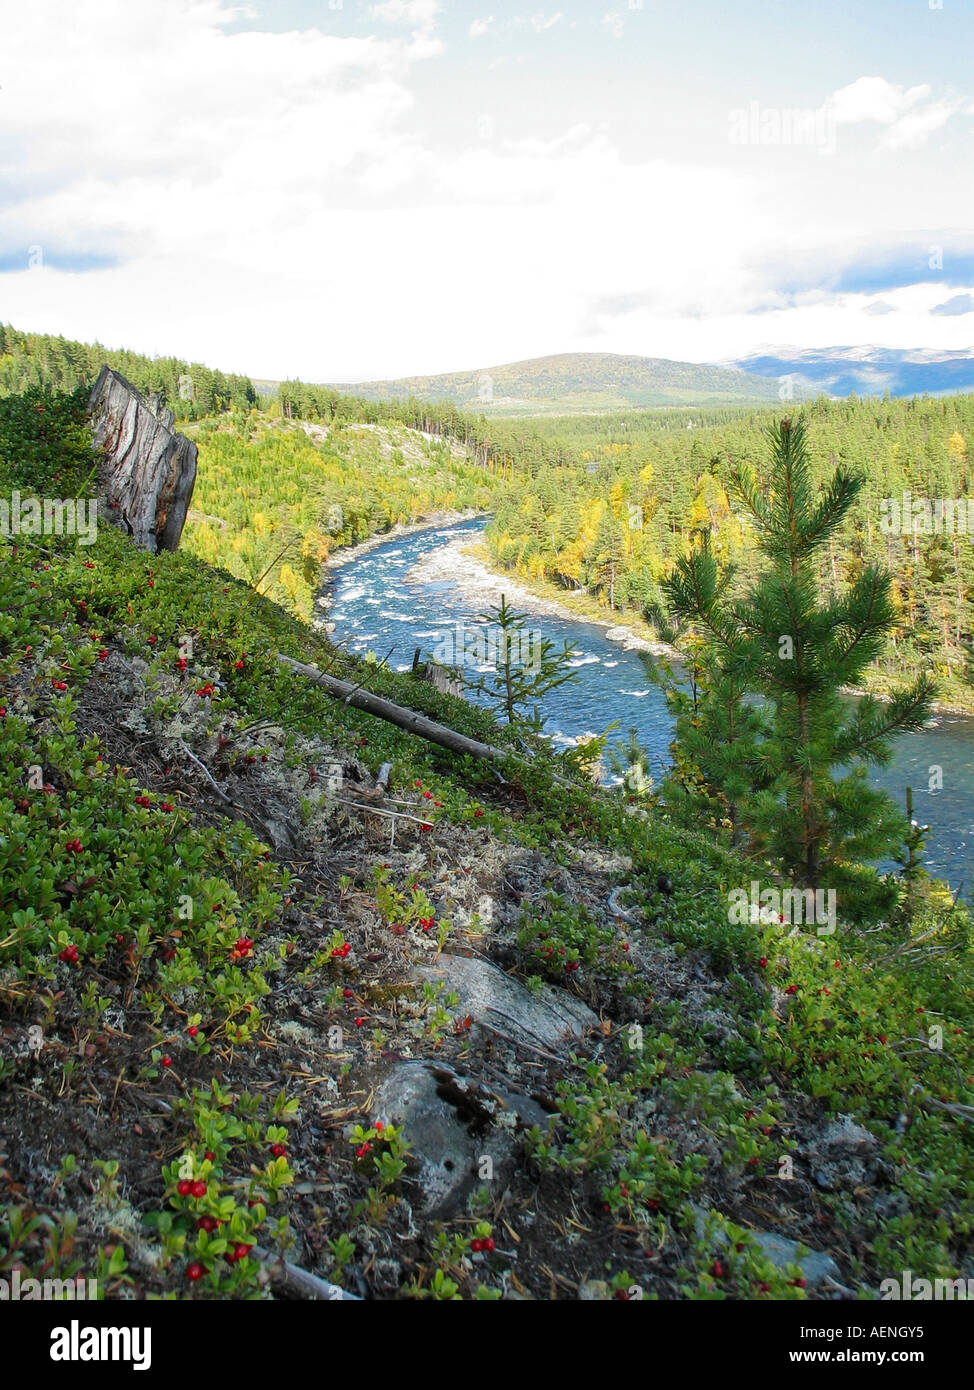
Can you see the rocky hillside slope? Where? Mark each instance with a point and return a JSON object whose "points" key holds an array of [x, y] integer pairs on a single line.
{"points": [[269, 1028]]}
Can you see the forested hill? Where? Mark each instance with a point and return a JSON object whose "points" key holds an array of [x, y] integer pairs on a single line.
{"points": [[563, 490], [578, 382], [189, 389], [638, 497]]}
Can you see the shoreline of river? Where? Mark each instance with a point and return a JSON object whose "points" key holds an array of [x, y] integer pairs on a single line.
{"points": [[457, 563], [339, 558]]}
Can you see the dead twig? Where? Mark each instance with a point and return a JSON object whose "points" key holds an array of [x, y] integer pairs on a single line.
{"points": [[301, 1281]]}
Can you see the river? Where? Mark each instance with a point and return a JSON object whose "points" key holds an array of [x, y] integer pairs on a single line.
{"points": [[378, 605]]}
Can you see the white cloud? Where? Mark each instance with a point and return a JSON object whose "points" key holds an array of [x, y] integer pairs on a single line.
{"points": [[479, 27], [914, 128], [418, 13], [615, 24], [284, 204], [539, 22], [907, 113], [875, 99]]}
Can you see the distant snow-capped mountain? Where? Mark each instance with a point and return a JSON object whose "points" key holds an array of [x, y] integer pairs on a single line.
{"points": [[867, 371]]}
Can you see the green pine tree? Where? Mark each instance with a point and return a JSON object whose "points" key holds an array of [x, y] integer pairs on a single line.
{"points": [[525, 666], [785, 642]]}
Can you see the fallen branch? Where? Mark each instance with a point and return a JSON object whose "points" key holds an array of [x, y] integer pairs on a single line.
{"points": [[226, 800], [206, 773], [621, 912], [380, 811], [298, 1280], [960, 1112], [403, 718]]}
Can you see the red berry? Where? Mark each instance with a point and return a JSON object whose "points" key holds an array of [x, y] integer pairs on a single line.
{"points": [[199, 1188], [194, 1272], [209, 1155], [359, 1022], [278, 1150], [184, 1188], [241, 1251], [167, 1061], [717, 1269], [489, 1244], [192, 1030], [477, 1246]]}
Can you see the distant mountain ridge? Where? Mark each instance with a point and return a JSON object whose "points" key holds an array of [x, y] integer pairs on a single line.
{"points": [[867, 371], [578, 382]]}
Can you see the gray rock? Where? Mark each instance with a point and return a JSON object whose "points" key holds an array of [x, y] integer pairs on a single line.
{"points": [[594, 1291], [453, 1124], [815, 1266], [146, 470], [551, 1019], [842, 1154]]}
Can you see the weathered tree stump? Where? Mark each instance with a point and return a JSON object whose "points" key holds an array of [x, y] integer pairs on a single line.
{"points": [[146, 470], [448, 680]]}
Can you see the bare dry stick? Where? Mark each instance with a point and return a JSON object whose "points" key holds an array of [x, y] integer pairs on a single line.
{"points": [[298, 1280], [618, 911], [403, 718], [227, 801], [960, 1112], [206, 773]]}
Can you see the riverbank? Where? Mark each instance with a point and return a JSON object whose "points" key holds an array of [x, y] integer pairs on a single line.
{"points": [[349, 553], [429, 522], [465, 565], [468, 565]]}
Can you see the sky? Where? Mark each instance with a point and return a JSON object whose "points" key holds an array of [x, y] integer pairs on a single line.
{"points": [[342, 191]]}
